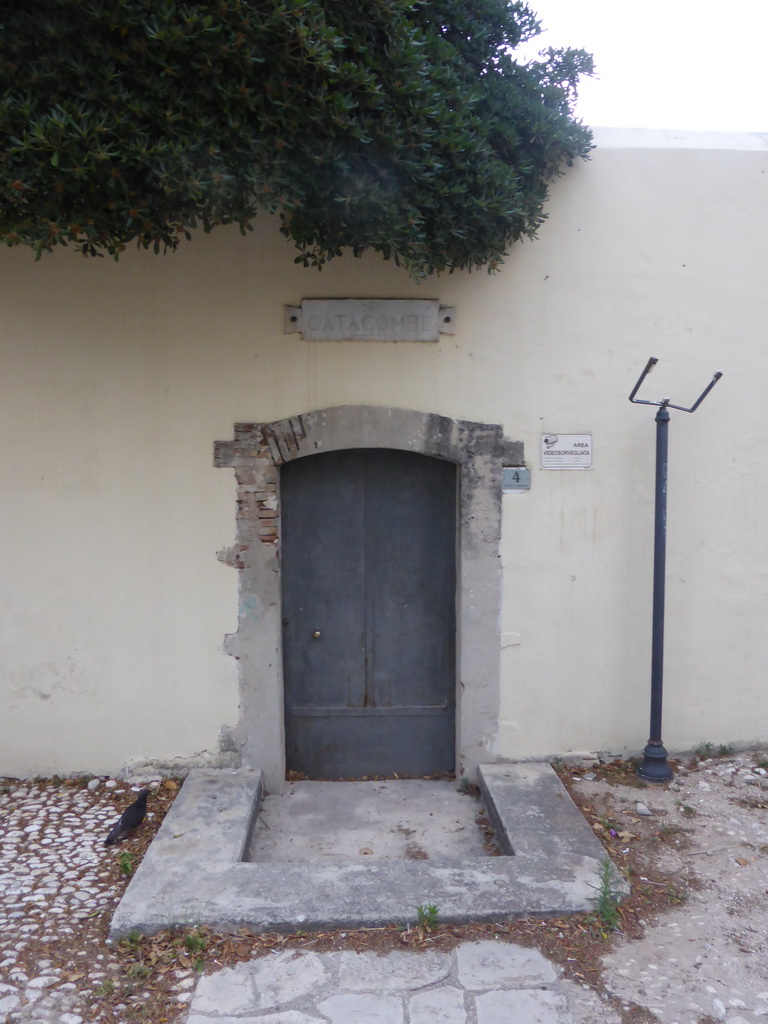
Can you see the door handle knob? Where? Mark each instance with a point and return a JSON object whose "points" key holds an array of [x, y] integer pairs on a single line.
{"points": [[316, 635]]}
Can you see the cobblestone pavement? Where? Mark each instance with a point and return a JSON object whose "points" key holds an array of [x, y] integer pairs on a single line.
{"points": [[57, 884]]}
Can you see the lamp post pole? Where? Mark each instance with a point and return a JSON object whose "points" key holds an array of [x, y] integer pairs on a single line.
{"points": [[655, 767]]}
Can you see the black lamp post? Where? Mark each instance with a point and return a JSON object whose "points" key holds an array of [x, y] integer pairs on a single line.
{"points": [[654, 766]]}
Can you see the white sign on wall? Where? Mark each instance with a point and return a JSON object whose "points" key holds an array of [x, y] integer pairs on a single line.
{"points": [[566, 451]]}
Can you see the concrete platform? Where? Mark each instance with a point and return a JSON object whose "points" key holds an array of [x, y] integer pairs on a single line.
{"points": [[194, 872], [416, 819]]}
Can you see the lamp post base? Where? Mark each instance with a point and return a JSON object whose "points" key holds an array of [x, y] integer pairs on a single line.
{"points": [[654, 767]]}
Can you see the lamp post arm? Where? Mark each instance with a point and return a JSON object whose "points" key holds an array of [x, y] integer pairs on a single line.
{"points": [[648, 367], [701, 397]]}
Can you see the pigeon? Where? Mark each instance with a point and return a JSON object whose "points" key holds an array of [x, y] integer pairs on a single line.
{"points": [[130, 819]]}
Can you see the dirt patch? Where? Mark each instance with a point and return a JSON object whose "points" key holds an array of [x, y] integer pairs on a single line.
{"points": [[706, 840]]}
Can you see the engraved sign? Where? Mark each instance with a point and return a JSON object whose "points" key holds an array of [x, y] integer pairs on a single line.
{"points": [[370, 319], [566, 451], [515, 478]]}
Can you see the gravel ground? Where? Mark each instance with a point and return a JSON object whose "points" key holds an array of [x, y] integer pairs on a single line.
{"points": [[59, 885], [705, 959], [690, 948]]}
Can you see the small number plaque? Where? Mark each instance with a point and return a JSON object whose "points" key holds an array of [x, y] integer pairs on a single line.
{"points": [[515, 478]]}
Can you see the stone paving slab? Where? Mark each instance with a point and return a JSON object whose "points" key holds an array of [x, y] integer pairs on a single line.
{"points": [[193, 873], [484, 982], [528, 1007], [484, 965]]}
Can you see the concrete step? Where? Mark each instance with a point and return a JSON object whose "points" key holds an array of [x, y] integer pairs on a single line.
{"points": [[193, 872]]}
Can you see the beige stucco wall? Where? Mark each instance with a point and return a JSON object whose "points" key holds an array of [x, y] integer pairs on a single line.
{"points": [[118, 378]]}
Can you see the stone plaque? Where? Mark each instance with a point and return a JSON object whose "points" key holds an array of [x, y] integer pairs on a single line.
{"points": [[370, 319]]}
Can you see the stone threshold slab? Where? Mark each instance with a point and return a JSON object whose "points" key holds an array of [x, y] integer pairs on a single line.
{"points": [[193, 872]]}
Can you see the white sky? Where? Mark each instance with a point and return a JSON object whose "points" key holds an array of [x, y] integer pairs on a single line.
{"points": [[693, 64]]}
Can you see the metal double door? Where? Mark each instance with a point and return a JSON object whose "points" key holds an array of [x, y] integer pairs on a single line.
{"points": [[368, 569]]}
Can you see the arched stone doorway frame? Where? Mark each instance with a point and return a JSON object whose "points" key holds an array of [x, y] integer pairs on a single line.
{"points": [[479, 450]]}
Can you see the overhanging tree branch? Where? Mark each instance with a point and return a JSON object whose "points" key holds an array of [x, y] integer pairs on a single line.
{"points": [[403, 127]]}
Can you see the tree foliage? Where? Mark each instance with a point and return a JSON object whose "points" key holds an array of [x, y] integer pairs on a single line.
{"points": [[407, 127]]}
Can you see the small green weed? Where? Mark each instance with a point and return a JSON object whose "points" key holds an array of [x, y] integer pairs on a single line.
{"points": [[139, 971], [133, 940], [106, 988], [428, 917], [606, 899], [675, 894], [708, 749], [125, 863], [762, 764], [195, 942]]}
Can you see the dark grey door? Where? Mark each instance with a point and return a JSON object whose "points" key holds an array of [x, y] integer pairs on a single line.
{"points": [[369, 592]]}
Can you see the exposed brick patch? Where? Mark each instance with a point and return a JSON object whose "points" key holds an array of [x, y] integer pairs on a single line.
{"points": [[255, 455]]}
